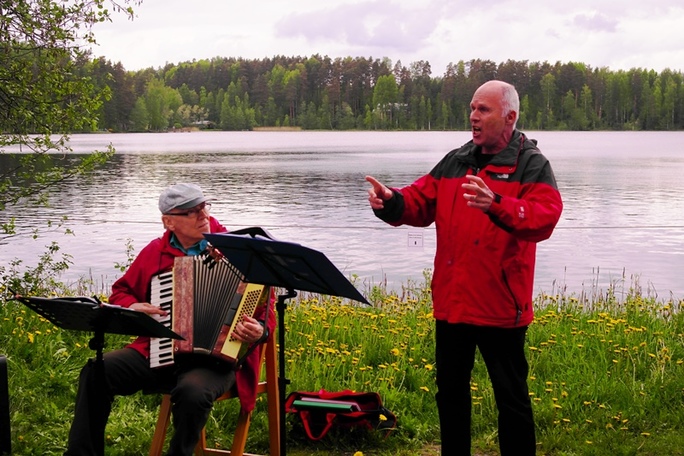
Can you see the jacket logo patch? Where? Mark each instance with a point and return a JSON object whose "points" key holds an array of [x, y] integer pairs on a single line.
{"points": [[521, 212], [503, 176]]}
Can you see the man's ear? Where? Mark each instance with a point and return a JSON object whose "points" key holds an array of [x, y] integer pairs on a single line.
{"points": [[168, 222], [511, 117]]}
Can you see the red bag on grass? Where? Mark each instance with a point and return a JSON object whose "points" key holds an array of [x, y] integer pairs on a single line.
{"points": [[320, 411]]}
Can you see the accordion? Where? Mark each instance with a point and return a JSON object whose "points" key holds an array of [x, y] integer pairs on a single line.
{"points": [[205, 300]]}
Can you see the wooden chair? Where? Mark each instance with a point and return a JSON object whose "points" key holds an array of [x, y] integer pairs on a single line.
{"points": [[268, 386]]}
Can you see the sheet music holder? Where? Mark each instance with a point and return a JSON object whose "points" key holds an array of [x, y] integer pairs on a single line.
{"points": [[267, 261], [88, 314]]}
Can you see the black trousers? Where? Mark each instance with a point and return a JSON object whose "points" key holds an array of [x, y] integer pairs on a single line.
{"points": [[503, 351], [194, 386]]}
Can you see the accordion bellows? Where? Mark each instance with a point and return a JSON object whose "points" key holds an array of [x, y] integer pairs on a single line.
{"points": [[206, 299]]}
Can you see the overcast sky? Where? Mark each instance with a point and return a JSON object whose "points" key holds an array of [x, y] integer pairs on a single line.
{"points": [[616, 34]]}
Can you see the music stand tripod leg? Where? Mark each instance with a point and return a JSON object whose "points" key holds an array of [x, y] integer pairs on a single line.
{"points": [[282, 380], [98, 392]]}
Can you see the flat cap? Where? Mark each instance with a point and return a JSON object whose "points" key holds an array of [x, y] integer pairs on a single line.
{"points": [[180, 196]]}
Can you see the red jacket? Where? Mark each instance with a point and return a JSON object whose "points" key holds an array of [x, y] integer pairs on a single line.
{"points": [[134, 286], [484, 263]]}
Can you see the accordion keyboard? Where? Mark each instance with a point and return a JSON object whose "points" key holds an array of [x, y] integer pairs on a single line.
{"points": [[161, 295]]}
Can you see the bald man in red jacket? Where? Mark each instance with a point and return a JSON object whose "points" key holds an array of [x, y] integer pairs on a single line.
{"points": [[491, 200]]}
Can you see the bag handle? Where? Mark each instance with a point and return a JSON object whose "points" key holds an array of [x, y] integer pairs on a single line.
{"points": [[306, 418]]}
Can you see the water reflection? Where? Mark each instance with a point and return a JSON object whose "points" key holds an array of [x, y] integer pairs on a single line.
{"points": [[623, 216]]}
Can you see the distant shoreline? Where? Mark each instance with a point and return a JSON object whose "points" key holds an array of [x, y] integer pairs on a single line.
{"points": [[277, 129]]}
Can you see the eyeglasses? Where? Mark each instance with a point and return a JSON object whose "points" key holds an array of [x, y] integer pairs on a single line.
{"points": [[194, 212]]}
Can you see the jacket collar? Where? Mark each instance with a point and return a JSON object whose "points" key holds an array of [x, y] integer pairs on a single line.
{"points": [[503, 162]]}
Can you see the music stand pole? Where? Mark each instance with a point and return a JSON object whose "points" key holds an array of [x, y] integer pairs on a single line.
{"points": [[282, 380], [97, 396]]}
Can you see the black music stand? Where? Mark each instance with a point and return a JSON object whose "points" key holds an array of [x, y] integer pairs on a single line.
{"points": [[89, 314], [266, 261]]}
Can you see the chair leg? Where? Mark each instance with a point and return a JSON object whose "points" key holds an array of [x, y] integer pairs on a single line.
{"points": [[201, 444], [162, 426], [239, 439], [241, 431], [273, 397]]}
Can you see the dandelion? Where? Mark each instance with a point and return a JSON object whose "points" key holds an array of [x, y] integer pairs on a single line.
{"points": [[358, 453]]}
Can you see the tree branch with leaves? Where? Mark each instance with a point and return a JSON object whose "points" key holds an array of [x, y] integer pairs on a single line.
{"points": [[44, 95]]}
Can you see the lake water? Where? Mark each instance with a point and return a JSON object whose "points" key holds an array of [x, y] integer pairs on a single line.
{"points": [[623, 221]]}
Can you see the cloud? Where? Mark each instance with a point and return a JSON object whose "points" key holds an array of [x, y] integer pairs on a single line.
{"points": [[369, 25], [616, 35], [595, 22]]}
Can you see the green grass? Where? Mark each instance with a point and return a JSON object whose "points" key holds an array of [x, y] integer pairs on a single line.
{"points": [[606, 377]]}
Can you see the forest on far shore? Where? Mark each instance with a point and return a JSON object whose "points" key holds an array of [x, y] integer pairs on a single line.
{"points": [[318, 92]]}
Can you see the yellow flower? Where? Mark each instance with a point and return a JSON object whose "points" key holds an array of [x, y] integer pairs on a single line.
{"points": [[382, 417], [358, 453], [425, 388]]}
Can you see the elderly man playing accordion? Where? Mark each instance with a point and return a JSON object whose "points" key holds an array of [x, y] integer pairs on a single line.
{"points": [[193, 381]]}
